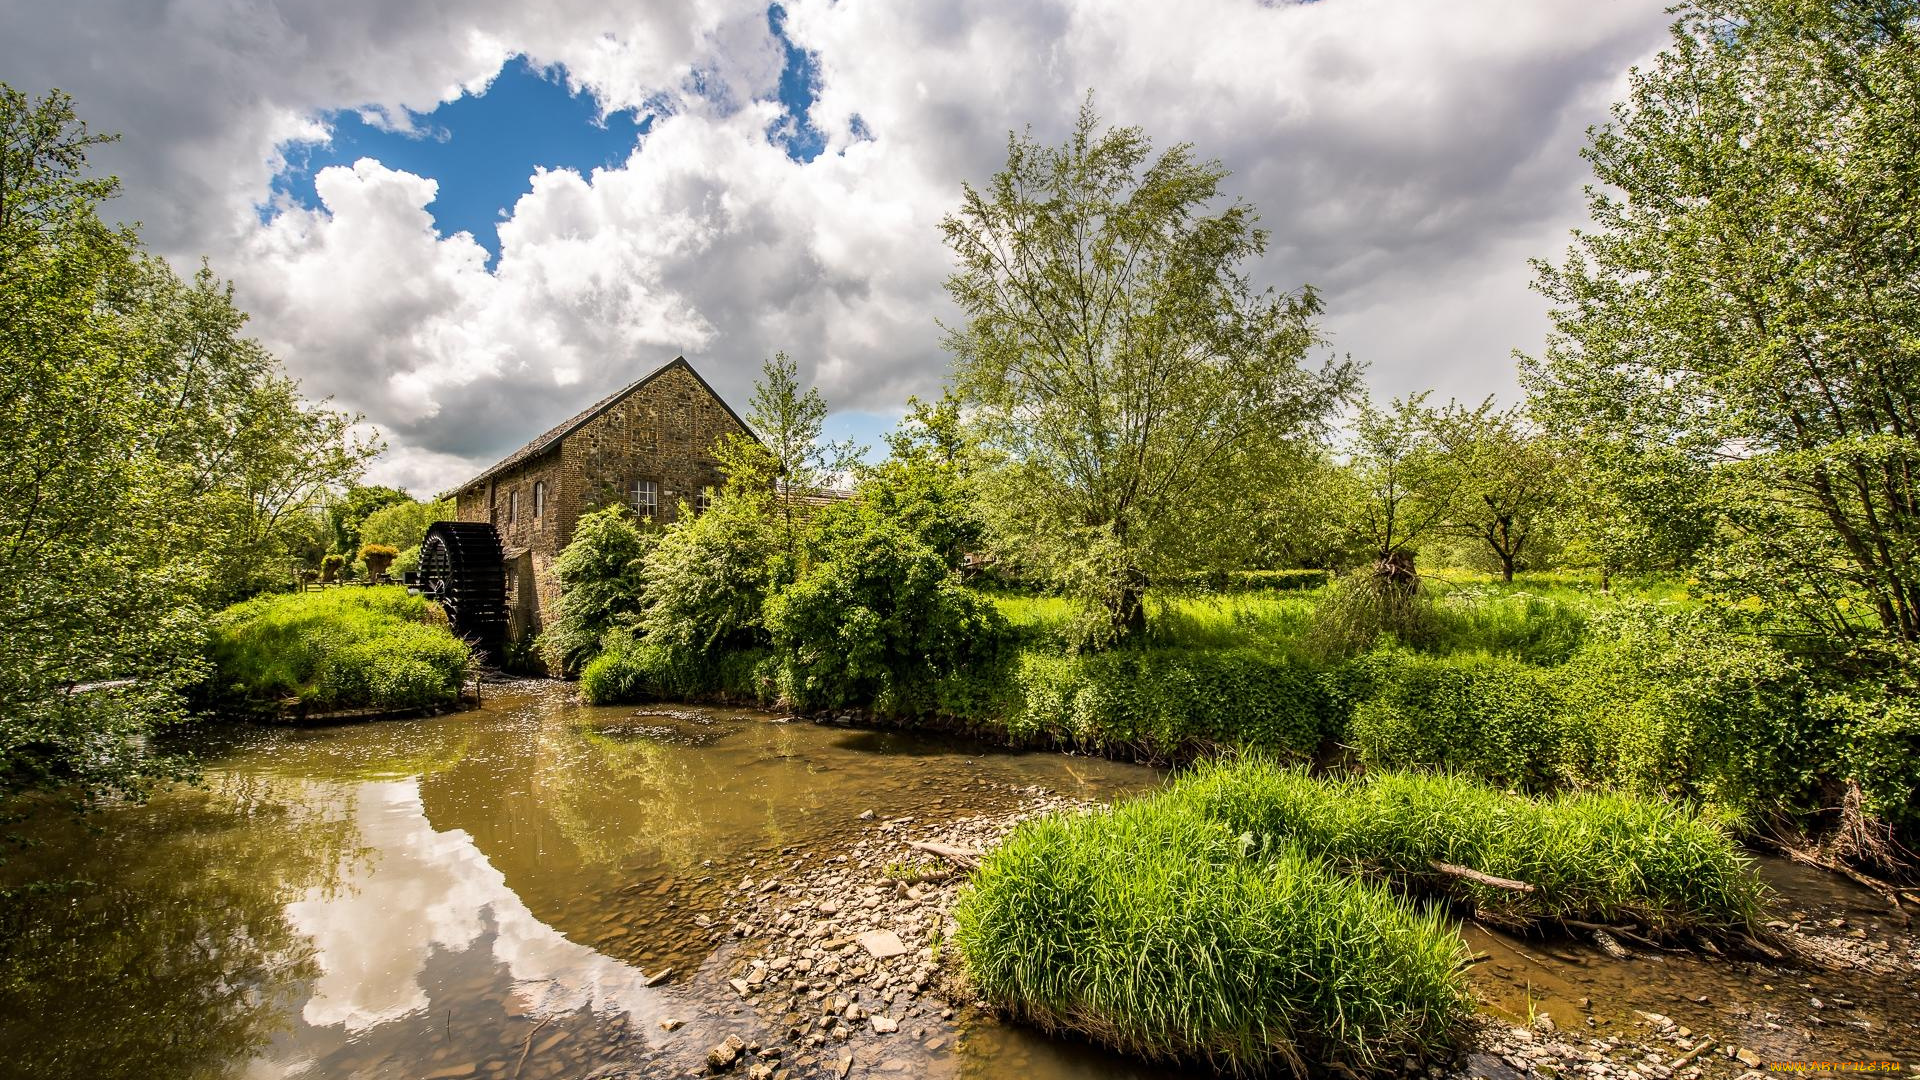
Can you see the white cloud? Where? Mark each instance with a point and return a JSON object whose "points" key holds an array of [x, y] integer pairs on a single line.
{"points": [[1407, 157]]}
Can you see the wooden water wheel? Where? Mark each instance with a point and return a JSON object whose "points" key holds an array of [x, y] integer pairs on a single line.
{"points": [[463, 568]]}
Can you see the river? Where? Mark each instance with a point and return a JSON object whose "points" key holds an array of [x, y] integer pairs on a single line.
{"points": [[527, 891]]}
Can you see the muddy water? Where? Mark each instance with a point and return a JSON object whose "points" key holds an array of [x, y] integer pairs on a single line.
{"points": [[487, 894], [490, 895]]}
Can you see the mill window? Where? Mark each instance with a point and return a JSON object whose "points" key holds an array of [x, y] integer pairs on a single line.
{"points": [[539, 498], [703, 502], [646, 498], [513, 506]]}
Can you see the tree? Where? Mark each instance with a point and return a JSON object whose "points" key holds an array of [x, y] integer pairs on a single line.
{"points": [[1117, 358], [599, 574], [403, 526], [926, 484], [1747, 291], [351, 509], [1406, 490], [152, 461], [1509, 480], [790, 454]]}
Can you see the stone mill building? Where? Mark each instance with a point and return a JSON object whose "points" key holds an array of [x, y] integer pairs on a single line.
{"points": [[649, 445]]}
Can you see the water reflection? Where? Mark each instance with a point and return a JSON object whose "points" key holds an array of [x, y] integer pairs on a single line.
{"points": [[168, 950], [481, 894]]}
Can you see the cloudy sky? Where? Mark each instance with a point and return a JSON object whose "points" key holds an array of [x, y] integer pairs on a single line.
{"points": [[468, 219]]}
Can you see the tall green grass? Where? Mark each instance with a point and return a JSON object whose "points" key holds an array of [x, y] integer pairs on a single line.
{"points": [[1601, 858], [1162, 934], [336, 649]]}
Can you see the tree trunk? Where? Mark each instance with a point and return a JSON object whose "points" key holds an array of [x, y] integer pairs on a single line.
{"points": [[1395, 573], [1129, 609], [1506, 567]]}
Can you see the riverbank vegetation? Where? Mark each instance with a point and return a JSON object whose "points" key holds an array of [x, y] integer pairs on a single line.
{"points": [[1161, 933], [336, 649]]}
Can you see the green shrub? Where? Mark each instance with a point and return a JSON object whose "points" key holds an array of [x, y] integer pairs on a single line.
{"points": [[1879, 737], [599, 577], [1602, 858], [342, 648], [629, 670], [1163, 935], [877, 618], [1167, 704], [707, 581], [1494, 718]]}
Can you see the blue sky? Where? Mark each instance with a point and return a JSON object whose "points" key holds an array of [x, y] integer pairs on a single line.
{"points": [[483, 148]]}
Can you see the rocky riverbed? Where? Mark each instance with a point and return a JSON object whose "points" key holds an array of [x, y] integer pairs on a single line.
{"points": [[840, 964]]}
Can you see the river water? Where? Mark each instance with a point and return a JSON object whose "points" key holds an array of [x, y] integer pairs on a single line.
{"points": [[490, 894]]}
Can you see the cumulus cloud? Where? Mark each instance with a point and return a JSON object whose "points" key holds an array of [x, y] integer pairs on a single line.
{"points": [[1407, 157]]}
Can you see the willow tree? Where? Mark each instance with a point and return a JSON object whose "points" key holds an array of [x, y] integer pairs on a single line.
{"points": [[1117, 358], [1748, 291]]}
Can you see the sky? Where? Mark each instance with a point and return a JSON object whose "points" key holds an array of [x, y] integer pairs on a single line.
{"points": [[467, 220]]}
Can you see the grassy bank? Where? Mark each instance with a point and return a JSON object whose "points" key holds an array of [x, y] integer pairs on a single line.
{"points": [[1161, 934], [1658, 867], [337, 649], [1256, 919]]}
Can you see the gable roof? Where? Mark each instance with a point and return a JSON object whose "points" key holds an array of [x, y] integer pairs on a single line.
{"points": [[552, 437]]}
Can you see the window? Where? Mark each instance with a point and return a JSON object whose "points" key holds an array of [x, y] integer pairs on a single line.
{"points": [[703, 502], [513, 506], [539, 498], [646, 498]]}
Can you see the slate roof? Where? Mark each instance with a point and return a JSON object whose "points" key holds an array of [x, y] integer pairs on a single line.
{"points": [[553, 436]]}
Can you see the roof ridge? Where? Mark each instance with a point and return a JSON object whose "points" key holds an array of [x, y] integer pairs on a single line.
{"points": [[552, 436]]}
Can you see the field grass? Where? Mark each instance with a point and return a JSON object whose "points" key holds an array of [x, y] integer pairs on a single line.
{"points": [[1656, 866], [336, 649], [1161, 934]]}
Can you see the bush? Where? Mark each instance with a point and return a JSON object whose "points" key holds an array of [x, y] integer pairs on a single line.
{"points": [[705, 583], [1494, 718], [1879, 737], [344, 648], [1166, 704], [877, 618], [629, 670], [1164, 935], [599, 577], [1602, 858]]}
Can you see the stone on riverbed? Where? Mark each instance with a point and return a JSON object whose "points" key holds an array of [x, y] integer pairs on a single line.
{"points": [[881, 944]]}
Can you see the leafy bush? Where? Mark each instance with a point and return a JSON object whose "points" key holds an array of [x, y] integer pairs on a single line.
{"points": [[599, 577], [1878, 732], [878, 617], [342, 648], [1358, 611], [707, 580], [1604, 858], [1162, 934], [1167, 704], [1492, 717], [629, 670]]}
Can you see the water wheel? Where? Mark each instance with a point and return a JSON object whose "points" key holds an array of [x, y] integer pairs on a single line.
{"points": [[463, 568]]}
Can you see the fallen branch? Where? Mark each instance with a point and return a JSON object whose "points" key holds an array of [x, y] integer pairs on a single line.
{"points": [[1622, 931], [1476, 958], [1887, 892], [1479, 878], [1706, 1044], [527, 1047], [1762, 948], [964, 858]]}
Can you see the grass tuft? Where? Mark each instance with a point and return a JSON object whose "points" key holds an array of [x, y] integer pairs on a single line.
{"points": [[1162, 934], [1592, 857]]}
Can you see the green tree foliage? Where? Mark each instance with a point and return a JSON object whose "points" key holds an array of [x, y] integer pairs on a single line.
{"points": [[1747, 292], [790, 455], [704, 584], [1509, 481], [348, 513], [403, 526], [152, 460], [927, 483], [878, 616], [1118, 359], [599, 577]]}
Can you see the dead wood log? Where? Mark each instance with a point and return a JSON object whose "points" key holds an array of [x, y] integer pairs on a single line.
{"points": [[1477, 877], [1706, 1044], [964, 858], [1887, 892], [1610, 946]]}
